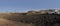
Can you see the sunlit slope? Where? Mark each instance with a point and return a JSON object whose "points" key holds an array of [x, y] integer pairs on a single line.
{"points": [[7, 19], [4, 15], [17, 18], [5, 22]]}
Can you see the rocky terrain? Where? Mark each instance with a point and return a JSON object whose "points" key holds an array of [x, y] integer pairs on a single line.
{"points": [[5, 22], [18, 19]]}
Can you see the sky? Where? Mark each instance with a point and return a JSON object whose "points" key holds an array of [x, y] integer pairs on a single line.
{"points": [[26, 5]]}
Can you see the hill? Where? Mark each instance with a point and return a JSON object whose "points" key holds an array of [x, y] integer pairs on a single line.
{"points": [[31, 18]]}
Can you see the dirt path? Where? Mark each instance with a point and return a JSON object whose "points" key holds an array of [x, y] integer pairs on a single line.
{"points": [[5, 22]]}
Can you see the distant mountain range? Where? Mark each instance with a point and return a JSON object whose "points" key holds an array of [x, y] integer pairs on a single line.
{"points": [[49, 11]]}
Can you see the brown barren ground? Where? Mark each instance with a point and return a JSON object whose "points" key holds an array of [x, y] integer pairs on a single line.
{"points": [[5, 22]]}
